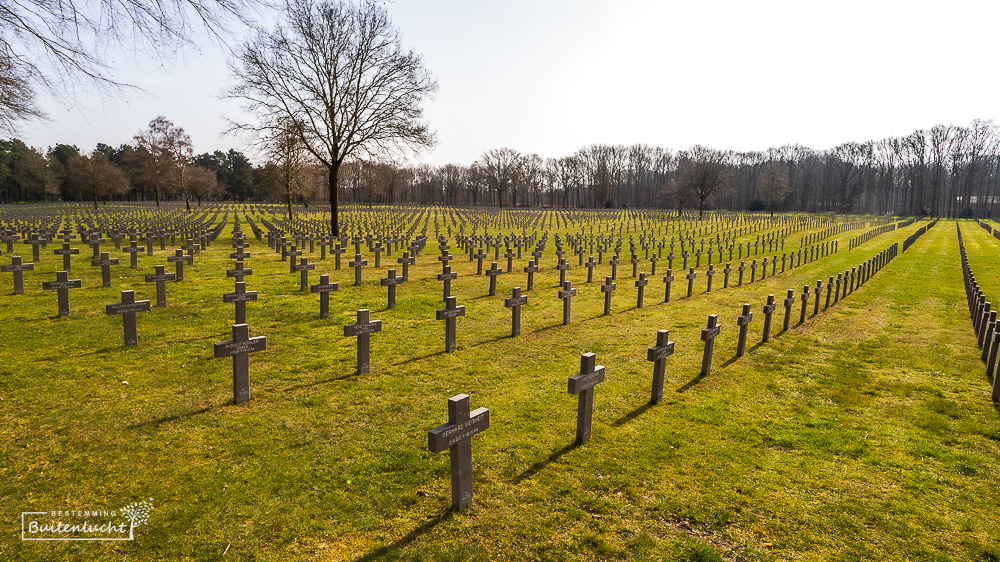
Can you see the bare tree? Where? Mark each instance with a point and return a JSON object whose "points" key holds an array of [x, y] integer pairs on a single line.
{"points": [[96, 176], [500, 168], [162, 152], [772, 185], [339, 70], [702, 173], [55, 45], [202, 183]]}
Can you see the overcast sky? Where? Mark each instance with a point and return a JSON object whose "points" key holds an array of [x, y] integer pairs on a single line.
{"points": [[550, 77]]}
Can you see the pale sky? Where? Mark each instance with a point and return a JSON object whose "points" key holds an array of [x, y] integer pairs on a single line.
{"points": [[550, 77]]}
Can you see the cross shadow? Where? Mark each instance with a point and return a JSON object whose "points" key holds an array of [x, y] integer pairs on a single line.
{"points": [[352, 375], [491, 340], [757, 345], [94, 352], [381, 553], [631, 415], [486, 296], [552, 327], [538, 466], [175, 417], [412, 359], [731, 360], [693, 382]]}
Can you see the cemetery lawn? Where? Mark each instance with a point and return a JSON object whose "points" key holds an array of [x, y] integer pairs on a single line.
{"points": [[865, 433]]}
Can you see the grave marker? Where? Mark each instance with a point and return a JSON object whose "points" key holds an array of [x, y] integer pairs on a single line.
{"points": [[514, 302], [160, 278], [450, 314], [743, 321], [566, 294], [708, 336], [240, 296], [240, 348], [105, 264], [456, 436], [768, 311], [640, 285], [582, 384], [658, 355], [62, 285], [607, 288], [127, 309], [18, 269], [324, 287], [363, 329]]}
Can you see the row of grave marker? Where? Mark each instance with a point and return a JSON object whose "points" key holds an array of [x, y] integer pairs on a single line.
{"points": [[984, 319]]}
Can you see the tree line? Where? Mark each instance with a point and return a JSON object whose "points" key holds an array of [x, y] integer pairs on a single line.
{"points": [[942, 171]]}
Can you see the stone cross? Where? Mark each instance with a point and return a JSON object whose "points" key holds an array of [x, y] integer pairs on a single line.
{"points": [[357, 263], [447, 275], [708, 336], [566, 294], [667, 279], [753, 271], [239, 271], [450, 314], [240, 296], [614, 267], [768, 311], [407, 261], [363, 329], [62, 285], [635, 264], [294, 252], [690, 277], [562, 266], [725, 280], [493, 272], [653, 260], [133, 251], [509, 254], [829, 289], [178, 260], [743, 321], [836, 293], [709, 274], [240, 348], [805, 303], [658, 355], [18, 269], [582, 384], [590, 269], [304, 267], [36, 241], [456, 436], [391, 281], [160, 278], [324, 288], [127, 308], [66, 252], [514, 302], [105, 264], [640, 285], [479, 261], [336, 251], [741, 269], [530, 269], [789, 301], [607, 288], [818, 290]]}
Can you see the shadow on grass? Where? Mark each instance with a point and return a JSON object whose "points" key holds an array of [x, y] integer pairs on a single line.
{"points": [[176, 417], [412, 359], [349, 376], [731, 360], [538, 466], [492, 340], [631, 415], [380, 553], [691, 384], [95, 352]]}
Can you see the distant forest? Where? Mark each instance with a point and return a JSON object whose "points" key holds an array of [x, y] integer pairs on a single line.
{"points": [[946, 170]]}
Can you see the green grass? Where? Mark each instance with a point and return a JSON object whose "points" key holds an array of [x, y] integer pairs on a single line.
{"points": [[864, 433]]}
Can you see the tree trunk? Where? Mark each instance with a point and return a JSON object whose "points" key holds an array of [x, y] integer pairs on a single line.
{"points": [[334, 198], [288, 196]]}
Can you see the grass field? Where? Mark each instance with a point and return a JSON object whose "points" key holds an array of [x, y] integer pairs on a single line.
{"points": [[864, 433]]}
